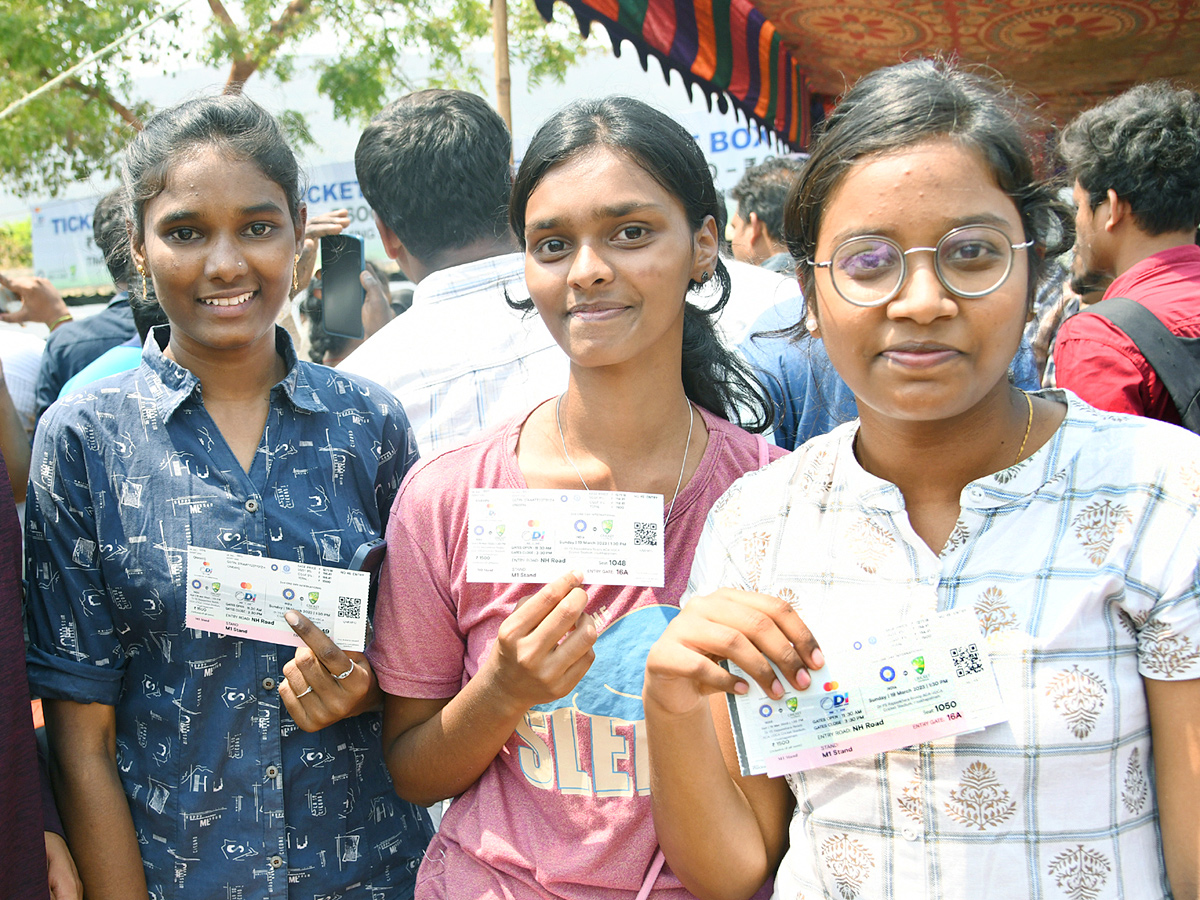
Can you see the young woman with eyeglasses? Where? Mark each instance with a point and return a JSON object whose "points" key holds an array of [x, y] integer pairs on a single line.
{"points": [[1071, 535]]}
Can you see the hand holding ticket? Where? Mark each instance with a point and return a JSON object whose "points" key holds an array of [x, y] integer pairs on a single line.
{"points": [[755, 631], [887, 685], [544, 647], [247, 596]]}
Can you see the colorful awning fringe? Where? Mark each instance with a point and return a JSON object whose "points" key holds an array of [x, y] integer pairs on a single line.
{"points": [[725, 47]]}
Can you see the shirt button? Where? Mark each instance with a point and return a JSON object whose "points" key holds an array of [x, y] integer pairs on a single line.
{"points": [[268, 684], [272, 771], [909, 834], [251, 505], [276, 861]]}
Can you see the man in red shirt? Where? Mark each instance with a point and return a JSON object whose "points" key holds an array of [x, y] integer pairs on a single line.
{"points": [[1135, 161]]}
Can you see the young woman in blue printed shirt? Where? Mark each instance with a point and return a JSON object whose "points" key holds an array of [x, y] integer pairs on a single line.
{"points": [[188, 763]]}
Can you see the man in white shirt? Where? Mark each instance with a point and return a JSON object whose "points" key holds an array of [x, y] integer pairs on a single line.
{"points": [[434, 165]]}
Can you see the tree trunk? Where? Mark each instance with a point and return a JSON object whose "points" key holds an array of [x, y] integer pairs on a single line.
{"points": [[503, 81]]}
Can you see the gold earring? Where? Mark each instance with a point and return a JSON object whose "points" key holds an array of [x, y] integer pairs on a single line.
{"points": [[142, 271], [295, 274]]}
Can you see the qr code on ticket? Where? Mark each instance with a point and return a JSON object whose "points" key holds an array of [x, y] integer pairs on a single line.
{"points": [[349, 607], [645, 534], [966, 660]]}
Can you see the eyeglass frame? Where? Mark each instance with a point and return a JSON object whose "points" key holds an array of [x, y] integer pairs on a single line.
{"points": [[937, 268]]}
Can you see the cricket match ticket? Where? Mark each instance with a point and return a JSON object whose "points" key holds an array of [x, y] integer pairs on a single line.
{"points": [[882, 688], [246, 596], [613, 537]]}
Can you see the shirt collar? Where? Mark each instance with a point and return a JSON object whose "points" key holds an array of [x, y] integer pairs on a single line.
{"points": [[1012, 486], [1164, 259], [449, 284], [171, 384]]}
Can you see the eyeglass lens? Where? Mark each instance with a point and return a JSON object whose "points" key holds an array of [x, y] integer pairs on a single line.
{"points": [[970, 261]]}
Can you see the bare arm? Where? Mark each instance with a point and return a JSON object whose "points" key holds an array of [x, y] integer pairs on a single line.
{"points": [[695, 778], [1175, 737], [438, 748], [91, 801], [14, 442], [40, 301]]}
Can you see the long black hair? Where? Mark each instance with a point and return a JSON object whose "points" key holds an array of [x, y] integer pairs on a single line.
{"points": [[713, 376]]}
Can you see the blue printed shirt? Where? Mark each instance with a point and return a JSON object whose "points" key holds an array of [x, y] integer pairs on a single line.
{"points": [[807, 394], [229, 798]]}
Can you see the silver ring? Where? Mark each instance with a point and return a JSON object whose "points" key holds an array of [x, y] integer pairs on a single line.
{"points": [[345, 674], [306, 693]]}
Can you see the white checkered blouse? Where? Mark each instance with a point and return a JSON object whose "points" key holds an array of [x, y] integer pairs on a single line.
{"points": [[1081, 565]]}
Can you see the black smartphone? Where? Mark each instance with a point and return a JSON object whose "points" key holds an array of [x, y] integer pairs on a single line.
{"points": [[342, 292], [368, 558]]}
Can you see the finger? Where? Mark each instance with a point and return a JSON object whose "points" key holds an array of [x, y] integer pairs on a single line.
{"points": [[775, 628], [338, 215], [711, 639], [577, 642], [293, 679], [575, 672], [560, 621], [317, 229], [532, 610], [295, 705], [328, 654], [375, 292]]}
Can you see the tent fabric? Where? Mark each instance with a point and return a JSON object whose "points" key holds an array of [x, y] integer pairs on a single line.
{"points": [[1069, 54], [727, 48]]}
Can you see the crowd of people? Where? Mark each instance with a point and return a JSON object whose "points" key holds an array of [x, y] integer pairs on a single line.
{"points": [[845, 423]]}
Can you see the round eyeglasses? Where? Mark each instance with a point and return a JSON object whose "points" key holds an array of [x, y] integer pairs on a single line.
{"points": [[970, 261]]}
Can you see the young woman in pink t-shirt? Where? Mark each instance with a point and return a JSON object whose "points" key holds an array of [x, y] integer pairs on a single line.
{"points": [[523, 701]]}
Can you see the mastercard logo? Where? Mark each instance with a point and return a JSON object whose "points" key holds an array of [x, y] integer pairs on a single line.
{"points": [[246, 585], [831, 685]]}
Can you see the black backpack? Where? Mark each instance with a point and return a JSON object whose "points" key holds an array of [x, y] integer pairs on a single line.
{"points": [[1175, 359]]}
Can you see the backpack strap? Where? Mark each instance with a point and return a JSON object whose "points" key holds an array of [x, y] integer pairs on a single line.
{"points": [[1175, 359]]}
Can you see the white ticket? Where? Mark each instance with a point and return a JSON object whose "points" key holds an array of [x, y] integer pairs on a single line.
{"points": [[246, 596], [613, 537], [882, 688]]}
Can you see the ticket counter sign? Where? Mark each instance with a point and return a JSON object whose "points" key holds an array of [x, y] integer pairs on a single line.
{"points": [[335, 186], [63, 248]]}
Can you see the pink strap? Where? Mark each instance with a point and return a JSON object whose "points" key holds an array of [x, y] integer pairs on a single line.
{"points": [[764, 454], [656, 865]]}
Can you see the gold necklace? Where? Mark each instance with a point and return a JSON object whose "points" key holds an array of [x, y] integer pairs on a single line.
{"points": [[683, 467], [1028, 426]]}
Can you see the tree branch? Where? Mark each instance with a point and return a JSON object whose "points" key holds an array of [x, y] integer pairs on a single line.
{"points": [[127, 115], [243, 67], [221, 14]]}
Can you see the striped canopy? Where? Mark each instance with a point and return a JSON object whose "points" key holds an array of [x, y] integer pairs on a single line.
{"points": [[1069, 54], [727, 48]]}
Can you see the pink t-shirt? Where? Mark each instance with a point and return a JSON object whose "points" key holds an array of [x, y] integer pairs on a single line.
{"points": [[564, 809]]}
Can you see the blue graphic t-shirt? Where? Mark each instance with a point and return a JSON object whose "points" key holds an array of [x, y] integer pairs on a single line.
{"points": [[229, 798]]}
